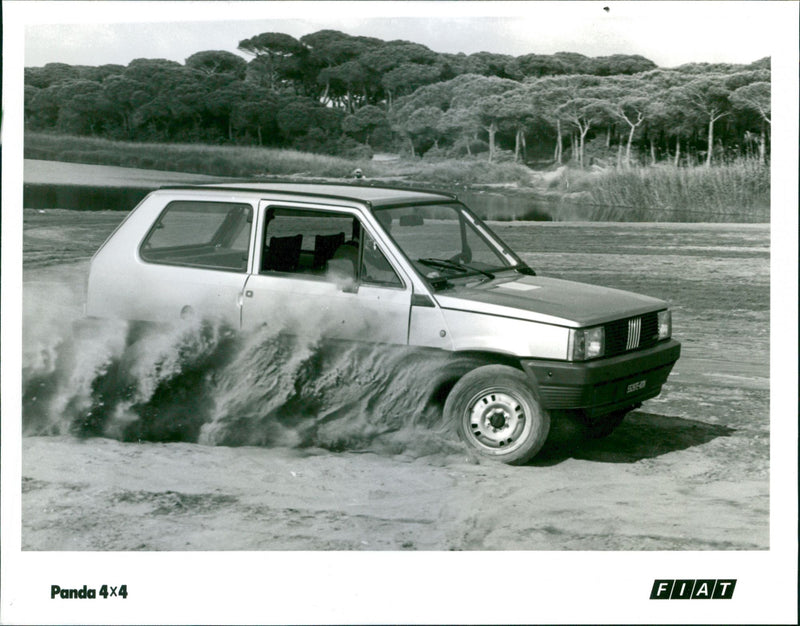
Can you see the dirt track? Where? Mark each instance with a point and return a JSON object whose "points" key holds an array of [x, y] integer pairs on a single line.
{"points": [[689, 471]]}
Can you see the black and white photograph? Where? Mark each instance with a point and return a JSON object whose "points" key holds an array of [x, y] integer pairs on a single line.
{"points": [[399, 312]]}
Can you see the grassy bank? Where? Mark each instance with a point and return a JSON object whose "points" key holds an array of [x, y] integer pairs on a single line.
{"points": [[195, 158], [246, 161]]}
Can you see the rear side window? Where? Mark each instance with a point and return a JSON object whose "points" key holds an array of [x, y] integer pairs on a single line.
{"points": [[214, 235]]}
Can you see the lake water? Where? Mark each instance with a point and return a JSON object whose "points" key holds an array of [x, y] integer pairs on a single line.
{"points": [[78, 186], [75, 186], [500, 206]]}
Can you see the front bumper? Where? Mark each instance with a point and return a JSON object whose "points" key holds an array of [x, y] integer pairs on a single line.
{"points": [[605, 385]]}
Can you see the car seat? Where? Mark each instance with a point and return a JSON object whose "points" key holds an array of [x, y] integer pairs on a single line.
{"points": [[325, 247], [283, 253]]}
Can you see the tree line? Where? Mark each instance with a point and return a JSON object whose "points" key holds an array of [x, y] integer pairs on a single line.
{"points": [[331, 92]]}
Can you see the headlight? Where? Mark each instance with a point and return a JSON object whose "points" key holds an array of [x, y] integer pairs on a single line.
{"points": [[588, 343], [664, 324]]}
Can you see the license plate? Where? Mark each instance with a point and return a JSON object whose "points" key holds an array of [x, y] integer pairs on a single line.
{"points": [[637, 386]]}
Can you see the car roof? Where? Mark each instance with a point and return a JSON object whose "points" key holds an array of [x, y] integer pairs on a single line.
{"points": [[372, 195]]}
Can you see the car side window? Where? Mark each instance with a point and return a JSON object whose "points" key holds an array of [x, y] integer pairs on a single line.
{"points": [[212, 235], [322, 245], [375, 268], [310, 243]]}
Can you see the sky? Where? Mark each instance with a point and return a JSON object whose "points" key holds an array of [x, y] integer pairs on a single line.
{"points": [[668, 33]]}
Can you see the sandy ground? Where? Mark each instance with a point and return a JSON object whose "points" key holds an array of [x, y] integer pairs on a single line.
{"points": [[688, 471]]}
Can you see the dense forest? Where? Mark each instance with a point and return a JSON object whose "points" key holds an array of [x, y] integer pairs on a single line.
{"points": [[334, 93]]}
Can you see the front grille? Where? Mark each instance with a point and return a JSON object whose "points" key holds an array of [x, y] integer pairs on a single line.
{"points": [[634, 333]]}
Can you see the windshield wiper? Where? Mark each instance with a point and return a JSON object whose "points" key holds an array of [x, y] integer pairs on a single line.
{"points": [[452, 265]]}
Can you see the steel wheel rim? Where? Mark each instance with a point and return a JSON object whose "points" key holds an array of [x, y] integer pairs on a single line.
{"points": [[497, 420]]}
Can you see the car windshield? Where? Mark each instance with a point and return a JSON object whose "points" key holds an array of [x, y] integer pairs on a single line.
{"points": [[445, 242]]}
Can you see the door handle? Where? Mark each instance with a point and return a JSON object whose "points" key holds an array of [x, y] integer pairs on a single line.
{"points": [[241, 296]]}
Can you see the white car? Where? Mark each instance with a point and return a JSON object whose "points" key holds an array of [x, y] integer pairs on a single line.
{"points": [[394, 266]]}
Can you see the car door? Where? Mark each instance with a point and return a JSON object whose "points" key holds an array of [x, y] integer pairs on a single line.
{"points": [[320, 272]]}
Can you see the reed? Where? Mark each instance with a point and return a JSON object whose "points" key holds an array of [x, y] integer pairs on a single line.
{"points": [[732, 192]]}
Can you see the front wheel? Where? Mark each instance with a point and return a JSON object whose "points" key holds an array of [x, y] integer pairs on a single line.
{"points": [[498, 414]]}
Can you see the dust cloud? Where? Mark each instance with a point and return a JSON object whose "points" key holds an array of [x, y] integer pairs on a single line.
{"points": [[200, 381]]}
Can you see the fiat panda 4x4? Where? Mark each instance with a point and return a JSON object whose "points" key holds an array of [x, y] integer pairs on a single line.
{"points": [[401, 267]]}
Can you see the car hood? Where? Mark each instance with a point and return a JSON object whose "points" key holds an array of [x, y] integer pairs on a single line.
{"points": [[547, 300]]}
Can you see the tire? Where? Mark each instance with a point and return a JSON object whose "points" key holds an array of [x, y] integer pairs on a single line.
{"points": [[498, 414]]}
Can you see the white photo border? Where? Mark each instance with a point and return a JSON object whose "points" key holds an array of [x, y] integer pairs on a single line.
{"points": [[433, 587]]}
